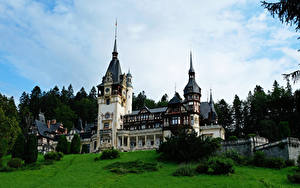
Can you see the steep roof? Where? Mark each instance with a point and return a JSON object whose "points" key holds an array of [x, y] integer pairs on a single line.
{"points": [[43, 129], [192, 86], [176, 99]]}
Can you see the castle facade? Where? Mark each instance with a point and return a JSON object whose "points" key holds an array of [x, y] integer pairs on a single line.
{"points": [[120, 127]]}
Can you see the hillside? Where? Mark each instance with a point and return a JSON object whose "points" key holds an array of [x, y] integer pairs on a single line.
{"points": [[83, 171]]}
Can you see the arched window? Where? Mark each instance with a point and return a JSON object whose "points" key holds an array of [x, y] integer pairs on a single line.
{"points": [[107, 101]]}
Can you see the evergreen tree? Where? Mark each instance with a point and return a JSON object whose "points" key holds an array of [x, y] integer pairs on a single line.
{"points": [[18, 150], [66, 115], [31, 152], [288, 11], [237, 116], [62, 145], [35, 102], [224, 112], [75, 144], [93, 93]]}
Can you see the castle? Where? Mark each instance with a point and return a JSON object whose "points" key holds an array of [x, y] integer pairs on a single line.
{"points": [[120, 127]]}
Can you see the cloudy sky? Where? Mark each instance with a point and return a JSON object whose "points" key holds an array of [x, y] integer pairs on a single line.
{"points": [[235, 44]]}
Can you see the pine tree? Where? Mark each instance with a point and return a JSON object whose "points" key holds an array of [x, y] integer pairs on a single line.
{"points": [[62, 145], [18, 150], [31, 152], [75, 144]]}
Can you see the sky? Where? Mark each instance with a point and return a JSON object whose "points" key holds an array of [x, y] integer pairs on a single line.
{"points": [[236, 45]]}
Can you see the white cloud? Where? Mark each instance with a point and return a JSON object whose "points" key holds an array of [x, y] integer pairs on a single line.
{"points": [[72, 43]]}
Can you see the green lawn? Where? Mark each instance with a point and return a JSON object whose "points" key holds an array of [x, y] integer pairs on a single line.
{"points": [[83, 171]]}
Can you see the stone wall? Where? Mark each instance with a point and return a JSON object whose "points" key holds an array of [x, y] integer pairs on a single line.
{"points": [[288, 148], [243, 146]]}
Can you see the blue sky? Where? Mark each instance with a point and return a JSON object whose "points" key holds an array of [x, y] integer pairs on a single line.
{"points": [[236, 44]]}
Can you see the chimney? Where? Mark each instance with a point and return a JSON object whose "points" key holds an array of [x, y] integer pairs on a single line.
{"points": [[53, 121], [48, 124]]}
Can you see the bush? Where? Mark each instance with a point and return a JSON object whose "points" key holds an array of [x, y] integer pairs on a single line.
{"points": [[184, 170], [15, 163], [236, 157], [85, 148], [110, 154], [31, 152], [19, 146], [53, 156], [259, 159], [62, 145], [75, 144], [232, 138], [202, 168], [137, 166], [295, 178], [186, 146], [290, 162], [277, 163], [221, 165]]}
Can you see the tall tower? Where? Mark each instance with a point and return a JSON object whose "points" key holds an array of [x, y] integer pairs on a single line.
{"points": [[192, 95], [113, 103]]}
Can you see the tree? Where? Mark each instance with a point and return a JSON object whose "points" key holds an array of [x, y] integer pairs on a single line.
{"points": [[62, 145], [224, 112], [75, 144], [237, 115], [66, 115], [35, 102], [288, 11], [31, 152], [18, 150], [93, 93]]}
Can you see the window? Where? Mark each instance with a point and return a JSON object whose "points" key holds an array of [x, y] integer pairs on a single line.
{"points": [[107, 115], [157, 125], [175, 120], [107, 101], [95, 145], [143, 126], [106, 125]]}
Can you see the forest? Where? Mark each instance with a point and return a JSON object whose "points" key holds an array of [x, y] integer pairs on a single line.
{"points": [[272, 114]]}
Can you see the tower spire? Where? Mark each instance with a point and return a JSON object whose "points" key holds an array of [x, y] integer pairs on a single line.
{"points": [[210, 97], [191, 63], [115, 52]]}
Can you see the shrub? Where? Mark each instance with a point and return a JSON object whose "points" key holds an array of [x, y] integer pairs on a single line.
{"points": [[295, 178], [184, 170], [137, 166], [53, 156], [290, 162], [15, 163], [236, 157], [75, 144], [259, 159], [202, 168], [19, 146], [277, 163], [221, 165], [85, 148], [186, 146], [62, 145], [31, 152], [232, 138], [110, 154]]}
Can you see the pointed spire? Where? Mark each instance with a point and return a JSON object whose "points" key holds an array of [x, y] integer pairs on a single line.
{"points": [[115, 52], [210, 97], [191, 63]]}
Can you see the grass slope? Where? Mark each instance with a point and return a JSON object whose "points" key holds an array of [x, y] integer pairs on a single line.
{"points": [[83, 171]]}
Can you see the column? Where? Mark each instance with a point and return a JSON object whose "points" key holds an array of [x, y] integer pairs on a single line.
{"points": [[145, 141], [128, 141], [136, 141], [122, 141], [154, 140]]}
